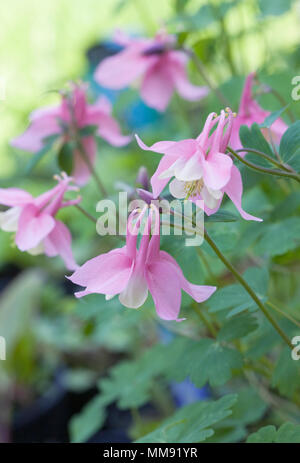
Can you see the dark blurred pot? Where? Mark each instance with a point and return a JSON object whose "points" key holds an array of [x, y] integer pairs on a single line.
{"points": [[46, 420]]}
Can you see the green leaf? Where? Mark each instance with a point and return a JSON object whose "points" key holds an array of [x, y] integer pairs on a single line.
{"points": [[88, 130], [66, 158], [86, 423], [288, 433], [222, 216], [280, 237], [192, 423], [204, 17], [237, 327], [130, 382], [274, 7], [286, 376], [271, 118], [252, 137], [248, 409], [289, 148], [209, 361], [287, 207], [235, 297], [48, 143]]}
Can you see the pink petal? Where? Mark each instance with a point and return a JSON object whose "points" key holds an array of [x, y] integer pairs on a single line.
{"points": [[102, 105], [14, 197], [157, 87], [79, 103], [106, 274], [277, 130], [33, 227], [164, 286], [81, 172], [216, 170], [234, 189], [120, 70], [32, 139], [109, 129], [46, 111], [183, 86], [246, 97], [172, 148], [157, 183], [58, 242], [197, 292]]}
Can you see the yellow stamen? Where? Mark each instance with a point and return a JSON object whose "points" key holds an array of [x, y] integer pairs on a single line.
{"points": [[193, 188]]}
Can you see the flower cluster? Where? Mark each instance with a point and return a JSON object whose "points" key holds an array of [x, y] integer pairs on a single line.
{"points": [[131, 272], [161, 66], [68, 121], [195, 169], [249, 112], [200, 167], [34, 221]]}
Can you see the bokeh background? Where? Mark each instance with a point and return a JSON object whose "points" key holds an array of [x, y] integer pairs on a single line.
{"points": [[57, 347]]}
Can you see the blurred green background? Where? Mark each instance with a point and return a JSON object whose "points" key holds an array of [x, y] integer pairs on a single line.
{"points": [[44, 45]]}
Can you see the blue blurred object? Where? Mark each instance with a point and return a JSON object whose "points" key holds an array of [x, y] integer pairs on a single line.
{"points": [[186, 392], [137, 114]]}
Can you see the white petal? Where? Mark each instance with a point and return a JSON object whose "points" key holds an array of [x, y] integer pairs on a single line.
{"points": [[135, 293], [170, 172], [217, 194], [176, 189], [39, 249], [108, 297], [210, 200], [190, 170], [9, 219]]}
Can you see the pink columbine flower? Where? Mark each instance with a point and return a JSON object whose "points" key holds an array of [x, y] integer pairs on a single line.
{"points": [[200, 167], [161, 67], [71, 115], [131, 272], [34, 221], [249, 112]]}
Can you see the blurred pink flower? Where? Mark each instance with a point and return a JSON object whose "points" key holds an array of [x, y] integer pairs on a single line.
{"points": [[131, 272], [33, 220], [200, 166], [162, 68], [73, 113], [250, 112]]}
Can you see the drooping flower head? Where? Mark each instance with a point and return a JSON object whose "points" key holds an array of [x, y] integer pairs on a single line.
{"points": [[249, 112], [132, 271], [200, 167], [67, 121], [34, 222], [161, 68]]}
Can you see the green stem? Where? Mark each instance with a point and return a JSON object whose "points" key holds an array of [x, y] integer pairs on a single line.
{"points": [[286, 315], [264, 170], [205, 263], [249, 290], [265, 156], [205, 320], [87, 214], [283, 102], [91, 168], [202, 71]]}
